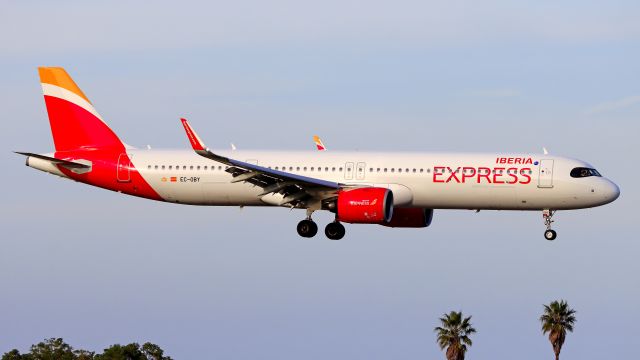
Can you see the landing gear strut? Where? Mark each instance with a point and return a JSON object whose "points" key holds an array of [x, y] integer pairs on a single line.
{"points": [[334, 231], [547, 215]]}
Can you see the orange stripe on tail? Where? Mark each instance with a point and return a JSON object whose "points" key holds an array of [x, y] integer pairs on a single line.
{"points": [[58, 76]]}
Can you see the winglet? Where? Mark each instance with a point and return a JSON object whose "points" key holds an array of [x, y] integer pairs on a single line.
{"points": [[319, 143], [194, 139]]}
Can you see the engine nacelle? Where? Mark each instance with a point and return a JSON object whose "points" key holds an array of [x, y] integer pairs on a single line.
{"points": [[410, 218], [365, 206]]}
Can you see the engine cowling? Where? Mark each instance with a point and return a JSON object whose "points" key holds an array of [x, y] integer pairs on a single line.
{"points": [[365, 206], [410, 218]]}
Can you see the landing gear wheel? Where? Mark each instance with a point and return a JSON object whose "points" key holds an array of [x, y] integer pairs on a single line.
{"points": [[550, 235], [547, 215], [307, 228], [334, 231]]}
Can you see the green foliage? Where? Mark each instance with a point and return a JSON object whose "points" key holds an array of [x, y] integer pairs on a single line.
{"points": [[557, 319], [52, 349], [84, 355], [57, 349], [133, 351], [14, 355], [453, 335]]}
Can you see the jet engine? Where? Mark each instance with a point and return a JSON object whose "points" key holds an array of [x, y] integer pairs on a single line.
{"points": [[365, 206], [410, 218]]}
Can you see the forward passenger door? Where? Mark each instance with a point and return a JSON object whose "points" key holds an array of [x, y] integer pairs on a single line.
{"points": [[545, 174]]}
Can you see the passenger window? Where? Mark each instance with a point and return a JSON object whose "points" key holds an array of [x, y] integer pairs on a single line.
{"points": [[156, 167], [149, 167]]}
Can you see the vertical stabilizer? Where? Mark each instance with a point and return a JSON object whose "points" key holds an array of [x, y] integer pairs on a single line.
{"points": [[75, 123]]}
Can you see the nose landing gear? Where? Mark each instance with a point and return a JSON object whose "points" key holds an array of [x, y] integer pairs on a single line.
{"points": [[547, 215], [550, 235]]}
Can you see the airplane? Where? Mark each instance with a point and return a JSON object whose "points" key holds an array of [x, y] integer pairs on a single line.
{"points": [[398, 189], [319, 145]]}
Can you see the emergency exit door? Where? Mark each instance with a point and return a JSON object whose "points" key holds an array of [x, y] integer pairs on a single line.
{"points": [[348, 171], [360, 170]]}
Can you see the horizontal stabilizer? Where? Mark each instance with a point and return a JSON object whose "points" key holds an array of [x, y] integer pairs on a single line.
{"points": [[66, 163]]}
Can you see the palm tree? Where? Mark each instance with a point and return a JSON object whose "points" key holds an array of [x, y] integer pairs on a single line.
{"points": [[558, 318], [453, 335]]}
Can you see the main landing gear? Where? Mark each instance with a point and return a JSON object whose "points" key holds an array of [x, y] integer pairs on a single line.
{"points": [[334, 230], [308, 228], [547, 215]]}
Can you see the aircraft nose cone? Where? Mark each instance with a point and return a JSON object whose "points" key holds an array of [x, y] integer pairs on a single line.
{"points": [[611, 191]]}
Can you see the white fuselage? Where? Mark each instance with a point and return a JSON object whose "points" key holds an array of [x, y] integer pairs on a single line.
{"points": [[424, 180]]}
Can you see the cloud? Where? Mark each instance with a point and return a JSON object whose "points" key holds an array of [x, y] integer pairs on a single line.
{"points": [[614, 105]]}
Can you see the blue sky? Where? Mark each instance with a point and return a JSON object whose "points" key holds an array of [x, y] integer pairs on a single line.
{"points": [[97, 268]]}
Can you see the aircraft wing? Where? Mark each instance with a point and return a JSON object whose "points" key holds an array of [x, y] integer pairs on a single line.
{"points": [[295, 189]]}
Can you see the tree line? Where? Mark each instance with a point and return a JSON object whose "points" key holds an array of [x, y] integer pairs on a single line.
{"points": [[57, 349], [453, 336]]}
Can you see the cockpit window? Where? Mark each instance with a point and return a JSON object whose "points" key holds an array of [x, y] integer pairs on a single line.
{"points": [[581, 172]]}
